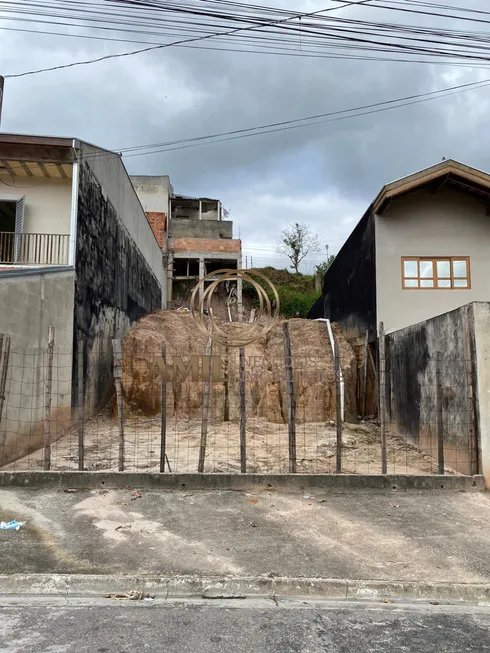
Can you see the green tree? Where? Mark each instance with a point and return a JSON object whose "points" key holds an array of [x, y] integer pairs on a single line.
{"points": [[324, 265], [296, 242]]}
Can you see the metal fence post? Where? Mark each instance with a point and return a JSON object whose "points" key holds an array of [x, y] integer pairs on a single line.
{"points": [[291, 399], [81, 450], [47, 405], [365, 375], [117, 349], [226, 385], [338, 406], [163, 426], [205, 415], [382, 396], [439, 422], [243, 413], [3, 372]]}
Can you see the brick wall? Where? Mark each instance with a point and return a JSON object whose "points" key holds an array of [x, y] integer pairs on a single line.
{"points": [[207, 245], [158, 223]]}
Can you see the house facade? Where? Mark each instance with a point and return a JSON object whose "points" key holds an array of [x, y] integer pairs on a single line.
{"points": [[420, 250], [77, 253]]}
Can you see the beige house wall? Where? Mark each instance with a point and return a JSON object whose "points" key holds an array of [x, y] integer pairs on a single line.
{"points": [[446, 223], [47, 203], [153, 192]]}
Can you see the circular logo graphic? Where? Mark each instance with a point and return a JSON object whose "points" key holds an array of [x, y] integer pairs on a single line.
{"points": [[242, 333]]}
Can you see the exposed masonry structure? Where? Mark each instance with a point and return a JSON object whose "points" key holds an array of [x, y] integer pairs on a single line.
{"points": [[192, 233]]}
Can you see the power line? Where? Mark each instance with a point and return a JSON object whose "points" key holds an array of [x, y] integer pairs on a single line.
{"points": [[272, 50], [343, 34], [332, 116], [353, 42], [406, 99], [175, 43]]}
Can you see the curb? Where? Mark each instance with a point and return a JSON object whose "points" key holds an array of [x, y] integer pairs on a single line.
{"points": [[175, 481], [214, 587]]}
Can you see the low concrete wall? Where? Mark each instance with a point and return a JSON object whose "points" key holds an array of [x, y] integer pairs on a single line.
{"points": [[294, 482], [187, 228], [411, 386], [30, 303]]}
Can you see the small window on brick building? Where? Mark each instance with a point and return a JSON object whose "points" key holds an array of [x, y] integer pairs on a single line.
{"points": [[437, 273]]}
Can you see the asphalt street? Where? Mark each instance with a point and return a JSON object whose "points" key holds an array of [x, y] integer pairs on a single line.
{"points": [[61, 625]]}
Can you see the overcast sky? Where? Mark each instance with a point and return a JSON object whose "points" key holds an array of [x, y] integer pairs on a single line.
{"points": [[323, 175]]}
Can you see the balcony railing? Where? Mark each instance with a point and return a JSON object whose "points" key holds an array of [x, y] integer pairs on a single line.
{"points": [[34, 249]]}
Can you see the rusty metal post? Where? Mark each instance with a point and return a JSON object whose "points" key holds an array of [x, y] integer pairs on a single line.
{"points": [[3, 371]]}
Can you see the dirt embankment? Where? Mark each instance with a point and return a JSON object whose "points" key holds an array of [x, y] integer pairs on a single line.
{"points": [[313, 369]]}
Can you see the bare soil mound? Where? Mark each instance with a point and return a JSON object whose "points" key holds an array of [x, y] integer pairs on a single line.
{"points": [[266, 388]]}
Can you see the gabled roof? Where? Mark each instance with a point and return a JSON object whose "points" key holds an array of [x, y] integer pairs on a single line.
{"points": [[470, 179]]}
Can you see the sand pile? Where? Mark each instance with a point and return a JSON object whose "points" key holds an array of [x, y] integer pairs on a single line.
{"points": [[313, 368]]}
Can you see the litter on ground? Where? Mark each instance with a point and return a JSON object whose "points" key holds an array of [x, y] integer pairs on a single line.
{"points": [[11, 525]]}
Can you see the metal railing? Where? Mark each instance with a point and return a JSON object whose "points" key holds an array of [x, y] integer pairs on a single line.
{"points": [[34, 249]]}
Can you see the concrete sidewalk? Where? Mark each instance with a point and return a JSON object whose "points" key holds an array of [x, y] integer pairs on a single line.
{"points": [[416, 536]]}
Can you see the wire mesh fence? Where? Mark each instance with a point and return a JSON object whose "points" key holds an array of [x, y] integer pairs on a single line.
{"points": [[101, 407]]}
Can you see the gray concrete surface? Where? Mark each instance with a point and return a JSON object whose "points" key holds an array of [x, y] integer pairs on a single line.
{"points": [[189, 228], [239, 587], [402, 536], [241, 627], [190, 481]]}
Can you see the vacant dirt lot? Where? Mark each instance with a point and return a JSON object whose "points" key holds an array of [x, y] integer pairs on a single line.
{"points": [[267, 448]]}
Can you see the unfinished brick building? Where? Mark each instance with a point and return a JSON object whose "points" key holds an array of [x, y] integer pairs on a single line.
{"points": [[194, 237]]}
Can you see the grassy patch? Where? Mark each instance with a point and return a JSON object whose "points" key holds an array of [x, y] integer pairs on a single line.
{"points": [[296, 292]]}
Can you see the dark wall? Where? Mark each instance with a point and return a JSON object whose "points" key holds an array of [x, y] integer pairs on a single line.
{"points": [[114, 285], [411, 386], [349, 286]]}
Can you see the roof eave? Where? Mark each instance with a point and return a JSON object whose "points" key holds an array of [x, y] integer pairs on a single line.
{"points": [[419, 179]]}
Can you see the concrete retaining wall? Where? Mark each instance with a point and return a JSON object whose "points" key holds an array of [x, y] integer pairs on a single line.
{"points": [[411, 386], [117, 189], [119, 270]]}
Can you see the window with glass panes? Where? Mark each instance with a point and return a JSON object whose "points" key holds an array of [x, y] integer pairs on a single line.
{"points": [[441, 273]]}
